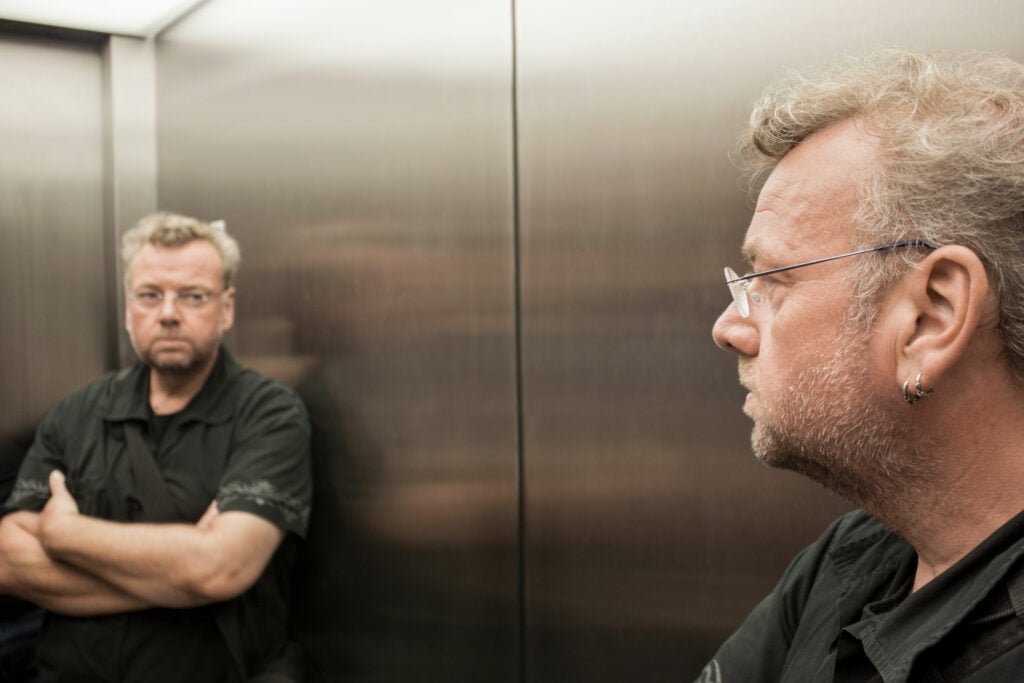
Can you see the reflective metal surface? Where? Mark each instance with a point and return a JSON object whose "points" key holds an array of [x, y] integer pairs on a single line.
{"points": [[53, 260], [361, 153], [490, 268], [129, 73], [650, 530]]}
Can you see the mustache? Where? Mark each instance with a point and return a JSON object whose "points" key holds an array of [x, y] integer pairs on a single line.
{"points": [[746, 376]]}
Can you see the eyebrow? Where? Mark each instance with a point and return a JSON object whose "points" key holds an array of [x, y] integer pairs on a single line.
{"points": [[750, 254], [754, 250]]}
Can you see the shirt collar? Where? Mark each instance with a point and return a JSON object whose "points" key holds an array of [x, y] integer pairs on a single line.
{"points": [[128, 395], [893, 640]]}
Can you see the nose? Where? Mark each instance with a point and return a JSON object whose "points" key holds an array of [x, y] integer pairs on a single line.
{"points": [[169, 309], [732, 332]]}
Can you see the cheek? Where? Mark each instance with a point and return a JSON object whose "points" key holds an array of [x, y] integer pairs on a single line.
{"points": [[132, 324], [210, 328], [785, 352]]}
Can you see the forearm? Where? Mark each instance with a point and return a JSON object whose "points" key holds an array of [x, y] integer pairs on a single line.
{"points": [[29, 573], [170, 565], [63, 589], [159, 564]]}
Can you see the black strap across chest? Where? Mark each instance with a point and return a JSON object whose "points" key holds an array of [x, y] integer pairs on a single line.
{"points": [[158, 506], [149, 485]]}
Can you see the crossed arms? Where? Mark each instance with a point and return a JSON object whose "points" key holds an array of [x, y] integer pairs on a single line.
{"points": [[73, 564]]}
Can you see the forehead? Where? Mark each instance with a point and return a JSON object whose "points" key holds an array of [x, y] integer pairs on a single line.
{"points": [[195, 263], [806, 208]]}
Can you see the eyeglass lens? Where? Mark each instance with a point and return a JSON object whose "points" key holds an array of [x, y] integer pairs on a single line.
{"points": [[738, 291]]}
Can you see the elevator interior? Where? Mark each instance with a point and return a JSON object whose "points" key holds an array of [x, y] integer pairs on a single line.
{"points": [[484, 241]]}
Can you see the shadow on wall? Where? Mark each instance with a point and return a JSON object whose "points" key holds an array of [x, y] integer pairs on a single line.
{"points": [[20, 621], [411, 547]]}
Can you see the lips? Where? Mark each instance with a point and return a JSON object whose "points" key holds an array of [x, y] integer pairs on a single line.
{"points": [[748, 383], [746, 378], [170, 341]]}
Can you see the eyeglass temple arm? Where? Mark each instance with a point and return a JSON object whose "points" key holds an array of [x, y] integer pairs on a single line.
{"points": [[884, 247]]}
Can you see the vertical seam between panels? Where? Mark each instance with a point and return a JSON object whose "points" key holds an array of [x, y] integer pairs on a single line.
{"points": [[518, 345], [113, 350]]}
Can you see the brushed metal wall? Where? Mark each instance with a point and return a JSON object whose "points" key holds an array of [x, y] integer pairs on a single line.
{"points": [[484, 240], [53, 256], [650, 531], [362, 154]]}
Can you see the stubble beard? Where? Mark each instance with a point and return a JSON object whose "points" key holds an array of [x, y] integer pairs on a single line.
{"points": [[176, 365], [832, 428], [179, 365]]}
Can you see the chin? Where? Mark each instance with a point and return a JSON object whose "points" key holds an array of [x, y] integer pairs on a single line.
{"points": [[175, 368], [178, 363]]}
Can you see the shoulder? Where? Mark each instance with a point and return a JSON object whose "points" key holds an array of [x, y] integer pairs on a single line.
{"points": [[256, 394], [98, 396], [805, 594], [270, 473], [250, 387], [846, 539], [824, 564], [260, 406], [851, 545], [253, 386]]}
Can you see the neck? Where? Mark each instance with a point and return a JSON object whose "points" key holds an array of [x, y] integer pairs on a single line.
{"points": [[170, 392], [943, 529], [979, 465]]}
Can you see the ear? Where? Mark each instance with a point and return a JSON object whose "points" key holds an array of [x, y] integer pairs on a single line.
{"points": [[944, 302], [227, 311], [127, 313]]}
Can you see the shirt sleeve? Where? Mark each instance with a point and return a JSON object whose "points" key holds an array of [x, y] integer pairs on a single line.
{"points": [[31, 488], [758, 650], [268, 472]]}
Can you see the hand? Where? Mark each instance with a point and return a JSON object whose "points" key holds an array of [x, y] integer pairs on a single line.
{"points": [[26, 521], [59, 509]]}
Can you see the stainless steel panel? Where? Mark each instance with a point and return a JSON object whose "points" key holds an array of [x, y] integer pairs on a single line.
{"points": [[361, 153], [650, 530], [129, 70], [53, 300]]}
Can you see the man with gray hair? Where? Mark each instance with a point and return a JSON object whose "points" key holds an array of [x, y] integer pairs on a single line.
{"points": [[880, 338], [155, 515]]}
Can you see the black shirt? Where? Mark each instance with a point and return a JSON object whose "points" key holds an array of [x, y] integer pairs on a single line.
{"points": [[242, 440], [843, 611]]}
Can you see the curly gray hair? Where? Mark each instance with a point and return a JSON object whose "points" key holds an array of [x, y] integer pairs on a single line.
{"points": [[174, 230], [950, 131]]}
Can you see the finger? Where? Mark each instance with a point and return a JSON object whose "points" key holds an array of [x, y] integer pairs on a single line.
{"points": [[57, 483]]}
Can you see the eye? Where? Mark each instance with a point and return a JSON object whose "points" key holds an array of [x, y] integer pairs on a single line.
{"points": [[148, 297], [193, 299], [761, 288]]}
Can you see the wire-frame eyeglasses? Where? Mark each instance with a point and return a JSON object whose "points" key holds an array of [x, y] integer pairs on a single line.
{"points": [[739, 286]]}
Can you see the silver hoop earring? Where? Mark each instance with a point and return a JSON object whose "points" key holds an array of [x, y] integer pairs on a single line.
{"points": [[919, 393]]}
